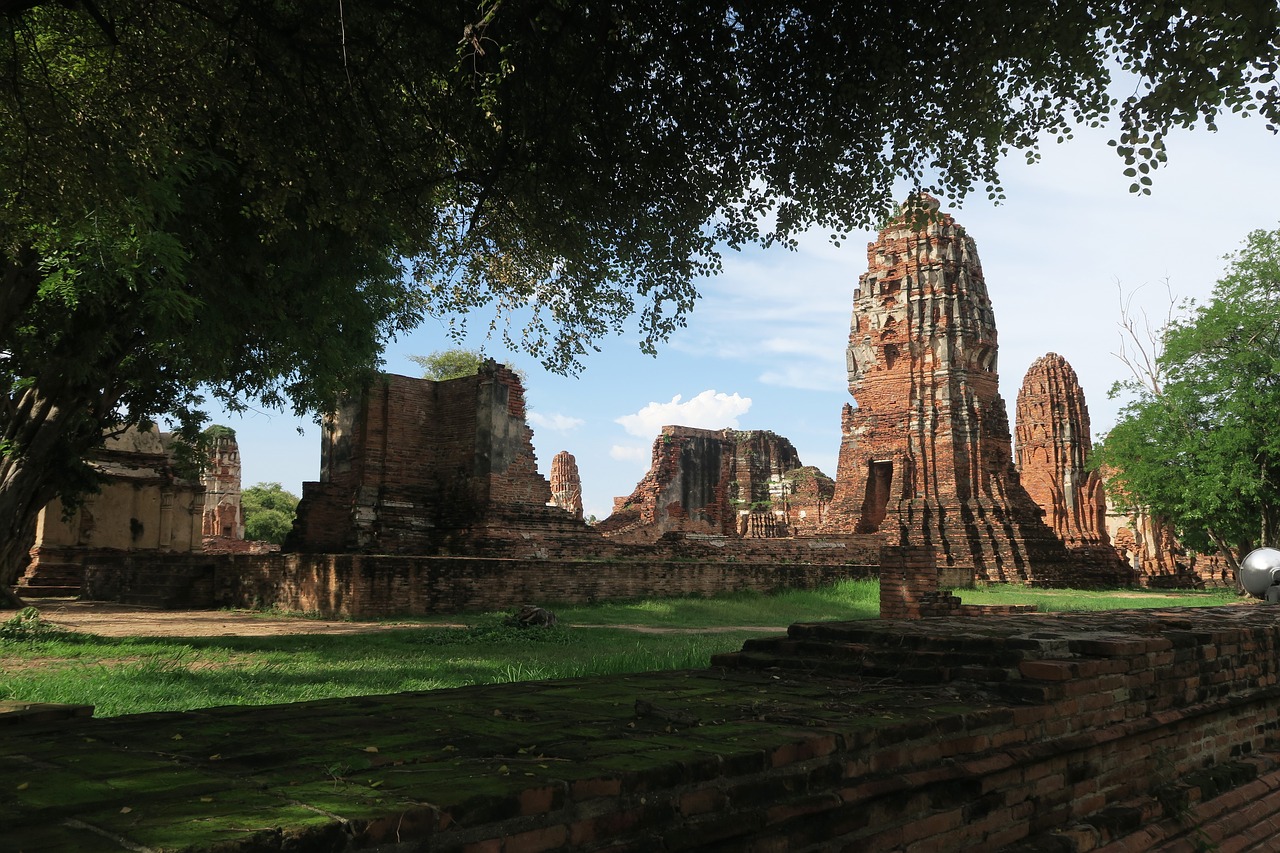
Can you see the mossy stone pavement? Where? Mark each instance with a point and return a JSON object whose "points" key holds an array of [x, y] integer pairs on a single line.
{"points": [[439, 769]]}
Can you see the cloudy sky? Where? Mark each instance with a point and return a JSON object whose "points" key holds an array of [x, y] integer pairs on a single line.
{"points": [[764, 348]]}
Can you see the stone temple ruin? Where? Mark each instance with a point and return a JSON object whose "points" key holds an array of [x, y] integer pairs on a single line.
{"points": [[1127, 731], [566, 484], [722, 482], [927, 451], [445, 471], [1053, 443]]}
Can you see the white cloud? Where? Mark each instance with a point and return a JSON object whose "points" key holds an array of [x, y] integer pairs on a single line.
{"points": [[810, 377], [555, 422], [708, 410], [630, 452]]}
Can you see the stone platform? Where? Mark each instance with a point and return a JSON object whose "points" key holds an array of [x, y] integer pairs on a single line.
{"points": [[1117, 731]]}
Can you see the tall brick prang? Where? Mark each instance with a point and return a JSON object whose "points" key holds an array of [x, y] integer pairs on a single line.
{"points": [[1053, 432], [566, 484], [223, 515], [927, 449]]}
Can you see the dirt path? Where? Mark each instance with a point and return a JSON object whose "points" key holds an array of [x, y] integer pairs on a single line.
{"points": [[122, 620]]}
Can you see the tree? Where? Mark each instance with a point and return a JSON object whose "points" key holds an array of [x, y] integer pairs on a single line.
{"points": [[220, 197], [449, 363], [1199, 443], [269, 512], [452, 363]]}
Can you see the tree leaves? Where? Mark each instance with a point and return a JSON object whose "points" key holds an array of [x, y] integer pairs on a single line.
{"points": [[1202, 447]]}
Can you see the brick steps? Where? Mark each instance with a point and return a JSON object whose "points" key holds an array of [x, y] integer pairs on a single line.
{"points": [[48, 591], [845, 650], [51, 575]]}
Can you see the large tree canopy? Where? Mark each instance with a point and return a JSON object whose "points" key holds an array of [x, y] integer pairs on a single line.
{"points": [[1199, 442], [247, 197]]}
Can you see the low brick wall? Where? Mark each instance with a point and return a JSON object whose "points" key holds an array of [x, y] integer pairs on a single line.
{"points": [[373, 586]]}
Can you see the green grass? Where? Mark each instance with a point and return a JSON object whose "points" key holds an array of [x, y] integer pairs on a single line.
{"points": [[1060, 600], [133, 675], [853, 599]]}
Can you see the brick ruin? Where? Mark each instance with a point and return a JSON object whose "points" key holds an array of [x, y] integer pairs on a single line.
{"points": [[927, 450], [1150, 545], [735, 483], [1113, 732], [143, 506], [566, 484], [1054, 440], [223, 519], [413, 466]]}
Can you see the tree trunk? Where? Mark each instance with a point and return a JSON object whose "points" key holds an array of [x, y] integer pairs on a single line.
{"points": [[1229, 555], [1269, 534], [39, 429]]}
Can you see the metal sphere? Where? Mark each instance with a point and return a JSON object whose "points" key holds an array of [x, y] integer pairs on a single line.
{"points": [[1259, 570]]}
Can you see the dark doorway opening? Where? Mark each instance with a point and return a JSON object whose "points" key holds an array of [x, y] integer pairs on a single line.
{"points": [[876, 503]]}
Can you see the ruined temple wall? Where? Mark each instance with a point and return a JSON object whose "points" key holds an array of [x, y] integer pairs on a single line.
{"points": [[719, 482], [686, 489], [505, 456], [1150, 546], [377, 585], [415, 466], [141, 505], [403, 447]]}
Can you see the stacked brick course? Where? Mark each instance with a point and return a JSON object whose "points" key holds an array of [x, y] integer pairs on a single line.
{"points": [[372, 586], [909, 589], [928, 451]]}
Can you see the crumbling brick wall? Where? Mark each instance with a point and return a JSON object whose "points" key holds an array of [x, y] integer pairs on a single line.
{"points": [[415, 466], [721, 482]]}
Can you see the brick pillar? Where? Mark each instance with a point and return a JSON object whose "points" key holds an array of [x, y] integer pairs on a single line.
{"points": [[908, 573]]}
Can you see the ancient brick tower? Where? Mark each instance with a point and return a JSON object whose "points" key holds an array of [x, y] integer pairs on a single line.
{"points": [[223, 516], [1053, 440], [566, 484], [927, 449]]}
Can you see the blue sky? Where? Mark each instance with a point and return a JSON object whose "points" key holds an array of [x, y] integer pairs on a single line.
{"points": [[764, 348]]}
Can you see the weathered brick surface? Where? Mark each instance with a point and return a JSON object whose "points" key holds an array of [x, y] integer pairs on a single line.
{"points": [[927, 452], [853, 736], [368, 585], [722, 482], [566, 483], [1054, 439], [420, 467], [1149, 545], [223, 515]]}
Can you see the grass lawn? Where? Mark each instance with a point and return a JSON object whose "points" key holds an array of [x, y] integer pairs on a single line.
{"points": [[133, 675]]}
